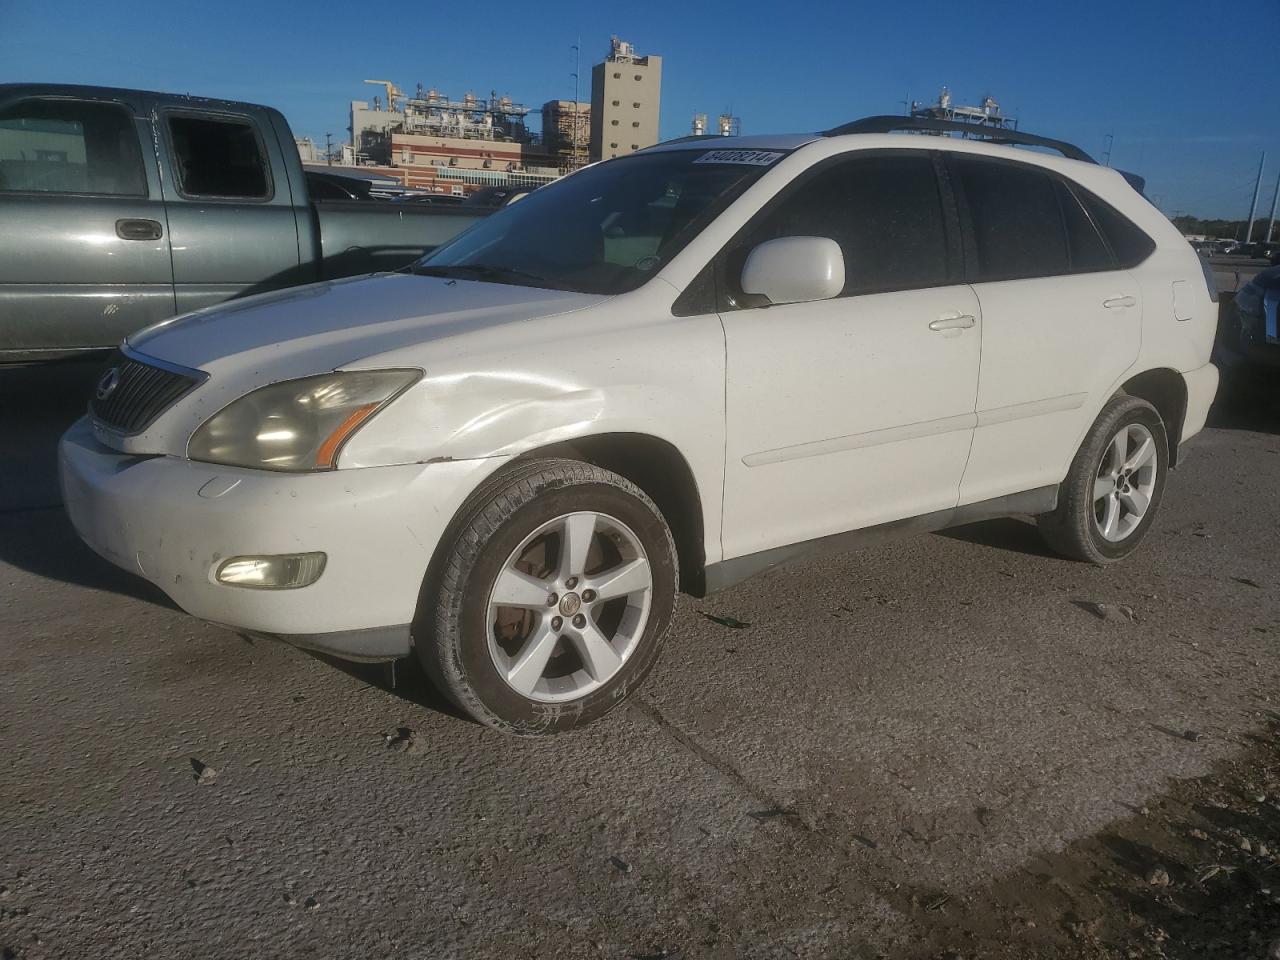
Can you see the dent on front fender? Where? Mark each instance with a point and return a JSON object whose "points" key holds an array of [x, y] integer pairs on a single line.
{"points": [[481, 414]]}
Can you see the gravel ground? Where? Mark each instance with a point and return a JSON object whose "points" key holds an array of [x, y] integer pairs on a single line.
{"points": [[942, 747]]}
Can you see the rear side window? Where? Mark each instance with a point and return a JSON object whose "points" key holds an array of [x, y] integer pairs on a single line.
{"points": [[1089, 253], [69, 146], [218, 157], [1017, 222], [885, 212], [1128, 242]]}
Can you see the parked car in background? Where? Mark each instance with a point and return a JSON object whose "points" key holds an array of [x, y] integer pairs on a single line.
{"points": [[1257, 250], [436, 199], [1254, 338], [124, 207], [334, 186], [672, 370], [499, 196]]}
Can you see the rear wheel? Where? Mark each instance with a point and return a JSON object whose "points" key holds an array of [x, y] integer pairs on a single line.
{"points": [[1114, 486], [554, 599]]}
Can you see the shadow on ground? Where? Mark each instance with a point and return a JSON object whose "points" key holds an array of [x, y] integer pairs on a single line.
{"points": [[401, 678], [1193, 875]]}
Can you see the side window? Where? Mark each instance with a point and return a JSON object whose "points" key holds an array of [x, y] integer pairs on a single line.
{"points": [[884, 211], [70, 146], [1089, 253], [218, 157], [1129, 243], [1017, 225]]}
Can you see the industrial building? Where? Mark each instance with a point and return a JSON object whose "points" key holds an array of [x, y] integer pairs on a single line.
{"points": [[442, 145], [431, 142], [625, 91], [985, 114]]}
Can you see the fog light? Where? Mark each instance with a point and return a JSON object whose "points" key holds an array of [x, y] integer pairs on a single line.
{"points": [[283, 572]]}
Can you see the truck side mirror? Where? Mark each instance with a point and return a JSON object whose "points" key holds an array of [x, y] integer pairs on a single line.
{"points": [[794, 270]]}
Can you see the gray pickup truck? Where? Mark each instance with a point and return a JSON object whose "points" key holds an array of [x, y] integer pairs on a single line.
{"points": [[119, 208]]}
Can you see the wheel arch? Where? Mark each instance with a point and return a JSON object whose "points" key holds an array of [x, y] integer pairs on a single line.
{"points": [[658, 468], [1166, 390]]}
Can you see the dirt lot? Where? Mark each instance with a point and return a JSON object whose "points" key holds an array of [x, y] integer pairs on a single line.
{"points": [[958, 745]]}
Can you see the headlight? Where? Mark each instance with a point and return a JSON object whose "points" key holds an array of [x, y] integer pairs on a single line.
{"points": [[296, 424]]}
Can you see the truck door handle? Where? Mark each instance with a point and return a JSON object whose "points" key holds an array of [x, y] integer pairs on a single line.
{"points": [[128, 229], [962, 321], [1117, 303]]}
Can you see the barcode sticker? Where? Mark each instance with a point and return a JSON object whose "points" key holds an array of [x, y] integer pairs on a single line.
{"points": [[754, 158]]}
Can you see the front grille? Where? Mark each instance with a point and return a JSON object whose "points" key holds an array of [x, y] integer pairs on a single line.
{"points": [[141, 393]]}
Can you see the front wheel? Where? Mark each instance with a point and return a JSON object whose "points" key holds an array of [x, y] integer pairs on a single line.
{"points": [[1114, 487], [553, 601]]}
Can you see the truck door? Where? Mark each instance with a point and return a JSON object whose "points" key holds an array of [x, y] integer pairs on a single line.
{"points": [[84, 251], [230, 206]]}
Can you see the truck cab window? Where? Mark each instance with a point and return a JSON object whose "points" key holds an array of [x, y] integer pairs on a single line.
{"points": [[218, 157], [68, 146]]}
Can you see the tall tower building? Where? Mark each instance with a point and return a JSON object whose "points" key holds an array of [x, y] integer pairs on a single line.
{"points": [[625, 91]]}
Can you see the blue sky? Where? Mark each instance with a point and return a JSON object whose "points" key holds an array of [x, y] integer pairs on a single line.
{"points": [[1187, 88]]}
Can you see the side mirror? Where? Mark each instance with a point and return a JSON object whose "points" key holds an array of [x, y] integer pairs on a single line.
{"points": [[794, 270]]}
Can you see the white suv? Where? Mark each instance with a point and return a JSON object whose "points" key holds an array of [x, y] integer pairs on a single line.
{"points": [[669, 371]]}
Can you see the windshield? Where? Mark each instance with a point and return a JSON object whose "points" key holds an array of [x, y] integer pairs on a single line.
{"points": [[605, 229]]}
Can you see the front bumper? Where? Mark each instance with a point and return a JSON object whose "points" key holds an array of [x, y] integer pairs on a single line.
{"points": [[173, 521]]}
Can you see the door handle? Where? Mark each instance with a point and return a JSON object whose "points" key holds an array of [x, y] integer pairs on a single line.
{"points": [[129, 229], [1117, 303], [962, 321]]}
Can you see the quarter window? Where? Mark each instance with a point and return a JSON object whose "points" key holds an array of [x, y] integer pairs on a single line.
{"points": [[67, 146], [1089, 253], [885, 212], [1129, 243], [218, 158], [1017, 223]]}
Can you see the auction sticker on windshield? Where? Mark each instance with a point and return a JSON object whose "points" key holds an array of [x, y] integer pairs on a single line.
{"points": [[755, 158]]}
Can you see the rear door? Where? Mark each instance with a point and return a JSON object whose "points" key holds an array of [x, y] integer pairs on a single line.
{"points": [[84, 251], [230, 207], [1061, 322]]}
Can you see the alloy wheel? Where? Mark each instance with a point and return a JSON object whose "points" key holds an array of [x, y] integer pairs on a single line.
{"points": [[569, 606], [1125, 483]]}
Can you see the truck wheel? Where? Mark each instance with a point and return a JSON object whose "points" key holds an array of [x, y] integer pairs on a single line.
{"points": [[1114, 487], [552, 599]]}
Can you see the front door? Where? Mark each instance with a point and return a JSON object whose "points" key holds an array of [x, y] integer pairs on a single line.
{"points": [[84, 249], [232, 221], [854, 411]]}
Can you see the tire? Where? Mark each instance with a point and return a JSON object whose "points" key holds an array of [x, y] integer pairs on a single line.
{"points": [[1078, 528], [527, 525]]}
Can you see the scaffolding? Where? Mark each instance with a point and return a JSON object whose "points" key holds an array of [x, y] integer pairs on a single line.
{"points": [[986, 114]]}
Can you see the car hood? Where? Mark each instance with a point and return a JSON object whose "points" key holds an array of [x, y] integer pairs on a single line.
{"points": [[324, 326]]}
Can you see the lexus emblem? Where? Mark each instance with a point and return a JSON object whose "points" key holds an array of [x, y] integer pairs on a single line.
{"points": [[107, 385]]}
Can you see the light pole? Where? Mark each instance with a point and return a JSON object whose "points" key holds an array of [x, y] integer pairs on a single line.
{"points": [[577, 117], [328, 149], [1253, 208], [1107, 143], [1275, 200]]}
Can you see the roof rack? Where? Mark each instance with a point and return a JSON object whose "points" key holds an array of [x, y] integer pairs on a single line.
{"points": [[888, 124]]}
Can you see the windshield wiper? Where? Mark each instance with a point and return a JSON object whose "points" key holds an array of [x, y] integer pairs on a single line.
{"points": [[485, 271]]}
